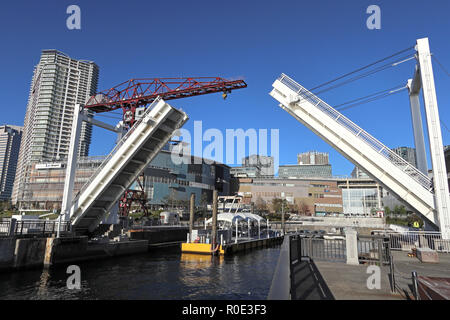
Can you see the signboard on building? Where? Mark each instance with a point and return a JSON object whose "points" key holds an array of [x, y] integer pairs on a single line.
{"points": [[41, 166], [200, 185]]}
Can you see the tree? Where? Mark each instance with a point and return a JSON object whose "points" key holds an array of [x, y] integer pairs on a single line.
{"points": [[303, 208], [5, 205], [293, 208], [400, 210], [278, 203], [260, 204]]}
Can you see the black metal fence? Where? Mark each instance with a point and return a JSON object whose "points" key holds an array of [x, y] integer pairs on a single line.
{"points": [[44, 227], [374, 249], [319, 249], [296, 277]]}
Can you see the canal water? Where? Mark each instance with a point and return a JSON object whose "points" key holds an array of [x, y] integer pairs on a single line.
{"points": [[162, 274]]}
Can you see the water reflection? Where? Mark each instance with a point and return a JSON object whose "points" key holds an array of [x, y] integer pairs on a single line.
{"points": [[195, 261], [43, 283], [165, 275]]}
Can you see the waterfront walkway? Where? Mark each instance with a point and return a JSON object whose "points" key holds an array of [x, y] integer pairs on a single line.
{"points": [[349, 282], [404, 266], [327, 276]]}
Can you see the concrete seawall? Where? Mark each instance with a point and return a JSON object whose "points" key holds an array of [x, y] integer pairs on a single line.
{"points": [[26, 253], [7, 247], [67, 250], [22, 253], [159, 234], [232, 248]]}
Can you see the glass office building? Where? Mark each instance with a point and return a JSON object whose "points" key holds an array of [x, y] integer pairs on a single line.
{"points": [[360, 201]]}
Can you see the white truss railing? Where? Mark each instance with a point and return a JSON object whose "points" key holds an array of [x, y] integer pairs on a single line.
{"points": [[358, 132]]}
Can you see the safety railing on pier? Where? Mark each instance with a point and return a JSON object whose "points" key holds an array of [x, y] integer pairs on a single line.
{"points": [[42, 228], [374, 249], [281, 281], [408, 240], [319, 249], [339, 118], [296, 276]]}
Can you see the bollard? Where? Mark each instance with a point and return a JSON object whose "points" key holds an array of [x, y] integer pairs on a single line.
{"points": [[415, 285], [12, 227], [214, 221], [191, 216], [391, 265]]}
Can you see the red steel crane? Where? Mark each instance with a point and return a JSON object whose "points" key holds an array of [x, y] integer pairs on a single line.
{"points": [[135, 93]]}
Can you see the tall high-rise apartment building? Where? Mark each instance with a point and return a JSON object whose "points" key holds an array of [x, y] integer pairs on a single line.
{"points": [[10, 137], [313, 157], [407, 153], [58, 84]]}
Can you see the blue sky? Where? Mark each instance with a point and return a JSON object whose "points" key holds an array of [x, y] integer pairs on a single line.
{"points": [[312, 41]]}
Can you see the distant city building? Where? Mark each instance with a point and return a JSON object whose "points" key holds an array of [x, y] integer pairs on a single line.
{"points": [[358, 173], [306, 196], [244, 172], [166, 183], [305, 171], [311, 164], [313, 157], [58, 84], [10, 138], [407, 153], [254, 166], [334, 196], [264, 164]]}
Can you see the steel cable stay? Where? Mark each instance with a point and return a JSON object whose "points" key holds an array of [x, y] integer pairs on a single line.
{"points": [[361, 76], [440, 64], [448, 74], [362, 68], [370, 98], [369, 73], [446, 128]]}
